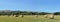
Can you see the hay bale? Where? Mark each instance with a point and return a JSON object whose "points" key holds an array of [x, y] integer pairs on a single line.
{"points": [[45, 16], [16, 16], [52, 17], [22, 16], [36, 15]]}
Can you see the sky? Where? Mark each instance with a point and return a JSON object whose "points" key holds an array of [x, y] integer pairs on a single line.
{"points": [[31, 5]]}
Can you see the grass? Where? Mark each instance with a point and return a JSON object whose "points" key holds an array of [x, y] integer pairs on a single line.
{"points": [[28, 19]]}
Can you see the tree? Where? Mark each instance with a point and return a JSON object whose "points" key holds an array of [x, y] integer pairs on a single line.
{"points": [[57, 13]]}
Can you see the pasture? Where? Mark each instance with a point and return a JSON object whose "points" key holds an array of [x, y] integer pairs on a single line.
{"points": [[28, 18]]}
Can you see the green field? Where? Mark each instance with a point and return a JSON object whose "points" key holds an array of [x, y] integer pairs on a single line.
{"points": [[28, 19]]}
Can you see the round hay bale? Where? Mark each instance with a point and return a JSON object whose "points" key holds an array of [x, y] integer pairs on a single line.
{"points": [[36, 15], [45, 16], [52, 17], [22, 16], [16, 15]]}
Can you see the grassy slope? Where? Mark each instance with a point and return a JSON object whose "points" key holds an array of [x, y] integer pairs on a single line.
{"points": [[28, 19]]}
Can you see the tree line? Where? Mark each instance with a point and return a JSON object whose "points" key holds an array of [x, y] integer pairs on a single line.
{"points": [[26, 13]]}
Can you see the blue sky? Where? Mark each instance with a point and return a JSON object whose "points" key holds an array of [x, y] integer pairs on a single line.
{"points": [[31, 5]]}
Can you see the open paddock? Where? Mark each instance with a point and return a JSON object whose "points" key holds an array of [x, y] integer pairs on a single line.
{"points": [[29, 18]]}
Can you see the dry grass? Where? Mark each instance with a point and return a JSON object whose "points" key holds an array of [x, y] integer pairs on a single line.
{"points": [[28, 18]]}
